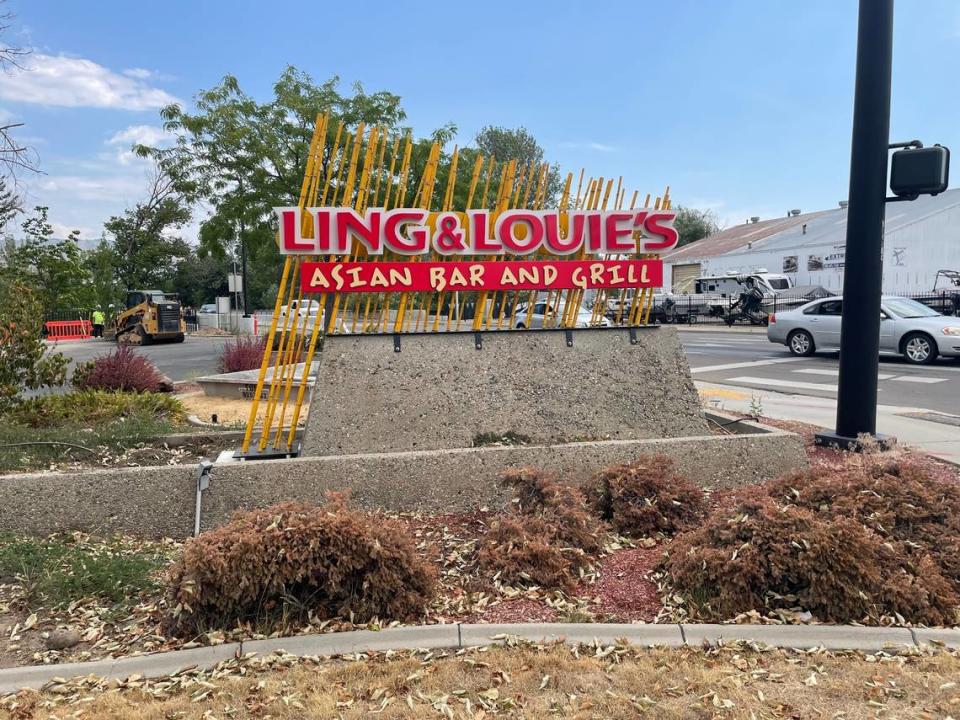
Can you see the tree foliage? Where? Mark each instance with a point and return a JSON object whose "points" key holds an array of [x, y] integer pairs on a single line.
{"points": [[11, 204], [693, 224], [54, 269], [243, 157], [26, 362], [145, 250], [509, 144]]}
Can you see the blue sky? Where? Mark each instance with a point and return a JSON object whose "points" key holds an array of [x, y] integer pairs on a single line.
{"points": [[742, 106]]}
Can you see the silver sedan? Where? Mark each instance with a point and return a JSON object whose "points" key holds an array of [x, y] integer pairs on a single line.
{"points": [[907, 328]]}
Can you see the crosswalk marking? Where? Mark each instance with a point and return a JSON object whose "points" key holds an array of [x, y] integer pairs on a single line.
{"points": [[916, 379], [738, 365], [772, 382], [836, 373]]}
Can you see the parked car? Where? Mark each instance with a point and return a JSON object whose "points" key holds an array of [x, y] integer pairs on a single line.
{"points": [[208, 309], [540, 311], [907, 328]]}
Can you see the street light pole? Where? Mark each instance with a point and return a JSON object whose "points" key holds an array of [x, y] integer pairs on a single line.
{"points": [[243, 268], [863, 263]]}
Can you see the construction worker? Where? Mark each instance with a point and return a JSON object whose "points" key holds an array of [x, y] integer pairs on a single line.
{"points": [[97, 318]]}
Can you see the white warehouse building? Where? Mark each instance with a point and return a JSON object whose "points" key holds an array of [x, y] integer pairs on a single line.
{"points": [[920, 238]]}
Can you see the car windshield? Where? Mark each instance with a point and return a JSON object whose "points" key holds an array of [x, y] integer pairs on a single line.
{"points": [[906, 308], [779, 284]]}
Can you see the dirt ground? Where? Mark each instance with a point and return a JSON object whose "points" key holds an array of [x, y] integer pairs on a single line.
{"points": [[233, 412], [526, 681]]}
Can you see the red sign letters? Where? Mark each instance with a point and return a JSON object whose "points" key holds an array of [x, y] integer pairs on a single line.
{"points": [[411, 231]]}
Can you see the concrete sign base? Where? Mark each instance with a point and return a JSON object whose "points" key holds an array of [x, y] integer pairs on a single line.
{"points": [[451, 390]]}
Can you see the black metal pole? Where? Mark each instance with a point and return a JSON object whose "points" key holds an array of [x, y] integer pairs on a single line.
{"points": [[243, 268], [863, 263]]}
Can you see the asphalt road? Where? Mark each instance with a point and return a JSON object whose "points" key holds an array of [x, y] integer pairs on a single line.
{"points": [[724, 357], [194, 357], [750, 360]]}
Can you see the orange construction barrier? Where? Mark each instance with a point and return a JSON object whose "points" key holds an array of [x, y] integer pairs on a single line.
{"points": [[68, 330]]}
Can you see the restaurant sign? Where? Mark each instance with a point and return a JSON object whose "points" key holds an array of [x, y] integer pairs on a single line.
{"points": [[519, 249]]}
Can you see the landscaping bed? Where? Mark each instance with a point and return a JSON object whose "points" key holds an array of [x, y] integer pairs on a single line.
{"points": [[112, 597], [91, 429]]}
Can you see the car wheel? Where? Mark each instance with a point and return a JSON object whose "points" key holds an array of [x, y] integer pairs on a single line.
{"points": [[800, 343], [919, 348]]}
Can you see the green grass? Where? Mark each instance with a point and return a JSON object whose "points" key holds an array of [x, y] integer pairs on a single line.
{"points": [[56, 572], [89, 419]]}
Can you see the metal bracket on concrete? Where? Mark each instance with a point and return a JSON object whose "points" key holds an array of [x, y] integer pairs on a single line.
{"points": [[203, 482], [633, 336], [569, 336], [396, 342], [478, 340]]}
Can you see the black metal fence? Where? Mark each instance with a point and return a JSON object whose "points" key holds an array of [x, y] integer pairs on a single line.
{"points": [[62, 315], [717, 310], [680, 309]]}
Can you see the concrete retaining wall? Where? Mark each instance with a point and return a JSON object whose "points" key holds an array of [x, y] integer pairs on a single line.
{"points": [[440, 391], [159, 501]]}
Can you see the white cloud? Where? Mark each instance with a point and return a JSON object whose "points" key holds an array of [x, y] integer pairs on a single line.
{"points": [[140, 134], [125, 139], [62, 232], [589, 145], [117, 188], [58, 80], [139, 73]]}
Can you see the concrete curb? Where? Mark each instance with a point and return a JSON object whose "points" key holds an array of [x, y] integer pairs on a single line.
{"points": [[456, 636]]}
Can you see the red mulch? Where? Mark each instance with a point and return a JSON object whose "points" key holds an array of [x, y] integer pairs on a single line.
{"points": [[521, 610], [624, 589]]}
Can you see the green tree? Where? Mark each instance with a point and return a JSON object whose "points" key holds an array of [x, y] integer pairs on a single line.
{"points": [[55, 269], [242, 158], [509, 144], [198, 279], [26, 362], [146, 250], [10, 204], [693, 224], [101, 263]]}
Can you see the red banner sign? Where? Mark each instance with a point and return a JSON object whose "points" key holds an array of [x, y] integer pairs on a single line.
{"points": [[367, 277]]}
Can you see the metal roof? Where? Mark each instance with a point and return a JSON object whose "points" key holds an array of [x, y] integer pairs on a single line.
{"points": [[827, 227], [735, 238]]}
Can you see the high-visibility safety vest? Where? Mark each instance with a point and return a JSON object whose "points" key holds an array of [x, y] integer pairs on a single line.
{"points": [[97, 317]]}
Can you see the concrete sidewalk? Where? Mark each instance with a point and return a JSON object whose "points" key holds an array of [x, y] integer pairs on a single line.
{"points": [[941, 439], [456, 636]]}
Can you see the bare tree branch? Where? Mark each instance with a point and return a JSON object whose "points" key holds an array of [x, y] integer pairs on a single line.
{"points": [[13, 155], [9, 56]]}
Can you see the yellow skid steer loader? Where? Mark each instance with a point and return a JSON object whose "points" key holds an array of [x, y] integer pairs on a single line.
{"points": [[150, 316]]}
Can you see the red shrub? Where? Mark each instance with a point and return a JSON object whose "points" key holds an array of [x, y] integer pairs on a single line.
{"points": [[563, 507], [548, 540], [524, 551], [646, 497], [123, 369], [287, 560], [894, 498], [243, 353], [759, 555]]}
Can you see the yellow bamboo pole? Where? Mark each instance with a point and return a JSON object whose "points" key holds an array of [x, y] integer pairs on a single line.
{"points": [[278, 303]]}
